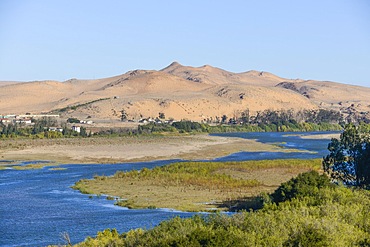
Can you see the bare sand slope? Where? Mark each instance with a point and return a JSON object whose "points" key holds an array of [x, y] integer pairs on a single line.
{"points": [[331, 94], [215, 76], [180, 92]]}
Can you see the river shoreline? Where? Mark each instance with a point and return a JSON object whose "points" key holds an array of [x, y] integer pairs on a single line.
{"points": [[105, 150], [57, 208]]}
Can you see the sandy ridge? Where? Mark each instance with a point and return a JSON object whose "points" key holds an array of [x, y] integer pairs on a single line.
{"points": [[180, 92]]}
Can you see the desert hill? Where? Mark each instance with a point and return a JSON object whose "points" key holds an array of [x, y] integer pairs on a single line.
{"points": [[215, 76], [180, 92]]}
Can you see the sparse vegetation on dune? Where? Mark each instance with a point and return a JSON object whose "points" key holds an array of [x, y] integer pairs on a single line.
{"points": [[75, 107]]}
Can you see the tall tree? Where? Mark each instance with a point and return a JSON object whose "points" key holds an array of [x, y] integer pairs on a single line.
{"points": [[349, 157]]}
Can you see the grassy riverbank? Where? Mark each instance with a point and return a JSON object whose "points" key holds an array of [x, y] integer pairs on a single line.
{"points": [[197, 186], [331, 216]]}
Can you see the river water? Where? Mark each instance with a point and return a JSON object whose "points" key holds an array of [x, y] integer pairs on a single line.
{"points": [[37, 206]]}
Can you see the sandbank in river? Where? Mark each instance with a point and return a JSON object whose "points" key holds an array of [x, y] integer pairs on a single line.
{"points": [[127, 149]]}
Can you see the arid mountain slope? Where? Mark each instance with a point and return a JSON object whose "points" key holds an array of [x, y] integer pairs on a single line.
{"points": [[215, 76], [331, 95], [180, 92]]}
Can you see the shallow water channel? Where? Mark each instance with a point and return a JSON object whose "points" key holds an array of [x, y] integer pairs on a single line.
{"points": [[37, 206]]}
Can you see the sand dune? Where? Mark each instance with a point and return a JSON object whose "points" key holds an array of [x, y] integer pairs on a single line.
{"points": [[181, 92]]}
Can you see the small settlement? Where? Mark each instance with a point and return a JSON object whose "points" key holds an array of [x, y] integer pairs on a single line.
{"points": [[30, 119]]}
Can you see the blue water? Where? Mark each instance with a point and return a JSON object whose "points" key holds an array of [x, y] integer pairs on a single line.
{"points": [[310, 148], [37, 206]]}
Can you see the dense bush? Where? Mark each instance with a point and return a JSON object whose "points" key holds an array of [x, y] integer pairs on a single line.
{"points": [[73, 120], [329, 216], [338, 217], [189, 126], [155, 128], [305, 184]]}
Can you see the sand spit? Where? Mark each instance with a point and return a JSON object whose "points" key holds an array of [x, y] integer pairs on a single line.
{"points": [[125, 149]]}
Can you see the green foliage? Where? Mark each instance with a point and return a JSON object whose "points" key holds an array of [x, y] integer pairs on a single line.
{"points": [[73, 120], [53, 134], [107, 238], [305, 184], [309, 236], [10, 129], [335, 216], [289, 117], [195, 127], [40, 129], [83, 132], [349, 158], [189, 126], [155, 128]]}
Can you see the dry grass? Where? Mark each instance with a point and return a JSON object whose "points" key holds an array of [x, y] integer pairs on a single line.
{"points": [[197, 186], [34, 166]]}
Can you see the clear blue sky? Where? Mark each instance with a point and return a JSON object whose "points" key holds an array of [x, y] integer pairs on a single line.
{"points": [[63, 39]]}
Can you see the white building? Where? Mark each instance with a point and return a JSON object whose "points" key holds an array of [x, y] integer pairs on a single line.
{"points": [[76, 128]]}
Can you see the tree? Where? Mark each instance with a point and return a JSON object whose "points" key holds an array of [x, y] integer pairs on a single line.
{"points": [[73, 120], [245, 116], [223, 119], [305, 184], [123, 115], [349, 158], [83, 132]]}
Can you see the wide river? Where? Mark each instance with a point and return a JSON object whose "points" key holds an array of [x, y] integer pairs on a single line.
{"points": [[38, 206]]}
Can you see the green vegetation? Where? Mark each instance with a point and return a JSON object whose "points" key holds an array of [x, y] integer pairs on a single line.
{"points": [[307, 210], [331, 216], [349, 158], [305, 184], [195, 127], [73, 120], [198, 186], [282, 117], [265, 121], [42, 128]]}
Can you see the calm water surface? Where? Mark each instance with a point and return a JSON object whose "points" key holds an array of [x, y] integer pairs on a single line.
{"points": [[310, 148], [37, 206]]}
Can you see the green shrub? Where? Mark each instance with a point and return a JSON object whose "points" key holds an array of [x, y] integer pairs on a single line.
{"points": [[308, 237], [342, 218], [304, 184]]}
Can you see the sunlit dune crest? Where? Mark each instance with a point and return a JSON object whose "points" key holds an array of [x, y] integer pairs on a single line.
{"points": [[180, 92]]}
